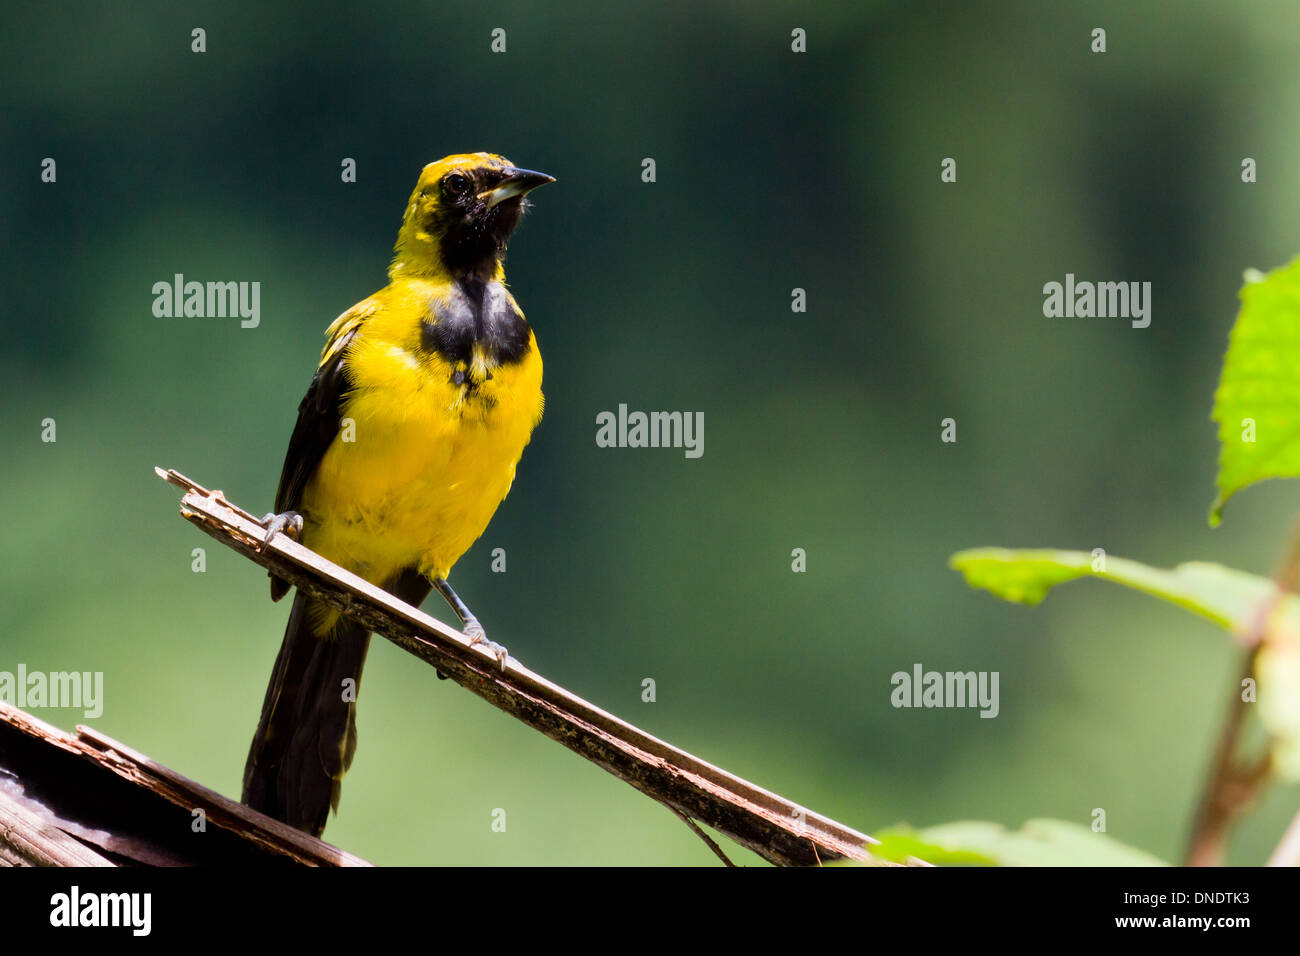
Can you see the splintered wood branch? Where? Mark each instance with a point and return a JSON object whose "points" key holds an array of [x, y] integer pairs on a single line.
{"points": [[778, 830], [84, 799]]}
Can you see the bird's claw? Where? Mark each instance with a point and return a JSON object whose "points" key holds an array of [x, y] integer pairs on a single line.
{"points": [[290, 522], [477, 636]]}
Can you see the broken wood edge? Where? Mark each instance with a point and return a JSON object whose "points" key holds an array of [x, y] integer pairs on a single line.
{"points": [[780, 831], [134, 767], [30, 838]]}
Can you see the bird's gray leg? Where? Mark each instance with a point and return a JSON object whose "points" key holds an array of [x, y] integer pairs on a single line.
{"points": [[473, 629]]}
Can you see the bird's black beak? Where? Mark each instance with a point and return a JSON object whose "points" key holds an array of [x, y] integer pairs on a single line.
{"points": [[518, 182]]}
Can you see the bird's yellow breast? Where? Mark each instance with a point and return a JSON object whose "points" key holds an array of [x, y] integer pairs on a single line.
{"points": [[427, 445]]}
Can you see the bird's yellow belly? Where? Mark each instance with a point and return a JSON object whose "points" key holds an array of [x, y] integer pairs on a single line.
{"points": [[426, 467]]}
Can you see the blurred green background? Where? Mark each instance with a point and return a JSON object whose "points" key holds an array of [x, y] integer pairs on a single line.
{"points": [[775, 171]]}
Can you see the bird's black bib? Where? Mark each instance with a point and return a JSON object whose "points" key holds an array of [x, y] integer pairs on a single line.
{"points": [[478, 314]]}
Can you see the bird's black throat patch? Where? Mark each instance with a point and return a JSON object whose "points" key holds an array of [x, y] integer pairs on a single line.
{"points": [[474, 241], [476, 313]]}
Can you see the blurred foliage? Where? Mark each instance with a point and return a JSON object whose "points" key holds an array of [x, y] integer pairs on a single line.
{"points": [[1230, 598], [775, 171], [1037, 843]]}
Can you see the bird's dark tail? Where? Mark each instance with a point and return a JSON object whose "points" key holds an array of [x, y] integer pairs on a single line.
{"points": [[308, 731], [307, 734]]}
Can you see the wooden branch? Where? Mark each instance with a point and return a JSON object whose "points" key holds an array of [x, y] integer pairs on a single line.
{"points": [[88, 800], [1233, 784], [776, 829], [1230, 788], [31, 838]]}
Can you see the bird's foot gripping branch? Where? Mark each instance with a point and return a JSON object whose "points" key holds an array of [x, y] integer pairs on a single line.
{"points": [[776, 829]]}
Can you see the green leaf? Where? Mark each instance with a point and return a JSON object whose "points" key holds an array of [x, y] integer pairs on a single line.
{"points": [[1260, 384], [1230, 598], [1037, 843]]}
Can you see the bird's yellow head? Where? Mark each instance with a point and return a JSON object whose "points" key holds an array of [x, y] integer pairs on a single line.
{"points": [[462, 212]]}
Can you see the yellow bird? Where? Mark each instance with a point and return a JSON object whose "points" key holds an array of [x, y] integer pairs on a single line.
{"points": [[406, 443]]}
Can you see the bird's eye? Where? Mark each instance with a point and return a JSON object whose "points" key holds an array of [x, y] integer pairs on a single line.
{"points": [[456, 184]]}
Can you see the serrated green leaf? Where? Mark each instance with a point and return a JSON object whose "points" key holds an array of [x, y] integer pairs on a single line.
{"points": [[1259, 391], [1037, 843]]}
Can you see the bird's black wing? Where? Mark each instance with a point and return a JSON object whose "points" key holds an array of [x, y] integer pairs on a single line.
{"points": [[319, 414]]}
